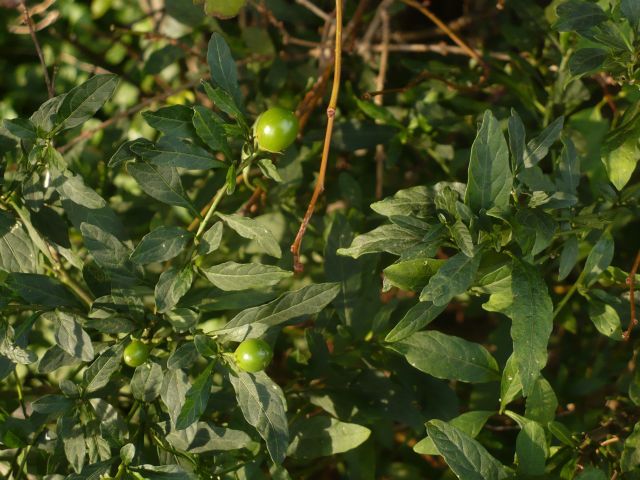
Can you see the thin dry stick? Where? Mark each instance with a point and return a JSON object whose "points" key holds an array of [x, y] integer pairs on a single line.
{"points": [[382, 73], [32, 32], [127, 113], [631, 280], [314, 9], [331, 112], [450, 33]]}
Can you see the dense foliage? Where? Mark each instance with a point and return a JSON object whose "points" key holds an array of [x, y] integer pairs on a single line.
{"points": [[465, 306]]}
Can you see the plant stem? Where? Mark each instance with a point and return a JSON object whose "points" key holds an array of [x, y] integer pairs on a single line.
{"points": [[567, 297], [20, 395], [331, 113], [214, 204]]}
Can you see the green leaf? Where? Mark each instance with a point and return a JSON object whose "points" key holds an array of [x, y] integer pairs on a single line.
{"points": [[453, 278], [21, 128], [254, 230], [163, 243], [469, 422], [322, 436], [17, 251], [70, 336], [598, 260], [171, 287], [413, 202], [164, 472], [418, 317], [542, 403], [223, 67], [465, 456], [538, 147], [448, 357], [531, 446], [173, 392], [210, 438], [569, 167], [532, 321], [568, 257], [587, 60], [83, 101], [621, 162], [578, 15], [40, 289], [160, 182], [174, 120], [223, 100], [631, 11], [264, 407], [462, 237], [254, 322], [489, 181], [510, 384], [146, 382], [211, 239], [11, 350], [386, 238], [71, 432], [606, 319], [173, 152], [210, 130], [99, 372], [411, 274], [232, 276], [534, 230], [630, 459], [52, 404], [196, 399]]}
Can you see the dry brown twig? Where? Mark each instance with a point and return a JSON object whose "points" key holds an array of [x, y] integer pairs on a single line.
{"points": [[331, 112], [32, 32], [380, 81], [470, 51]]}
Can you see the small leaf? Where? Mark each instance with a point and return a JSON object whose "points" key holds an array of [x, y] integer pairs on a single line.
{"points": [[621, 162], [146, 382], [173, 152], [40, 289], [606, 319], [196, 399], [21, 128], [174, 120], [322, 436], [254, 322], [172, 285], [598, 260], [386, 238], [532, 321], [586, 60], [418, 317], [568, 257], [578, 15], [252, 229], [538, 148], [163, 243], [264, 407], [99, 372], [470, 423], [161, 182], [232, 276], [465, 456], [210, 130], [70, 336], [448, 357], [223, 67], [490, 179], [211, 239], [453, 278], [83, 101]]}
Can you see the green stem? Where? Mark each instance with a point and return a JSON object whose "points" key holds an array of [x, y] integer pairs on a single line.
{"points": [[20, 395], [567, 297], [216, 201]]}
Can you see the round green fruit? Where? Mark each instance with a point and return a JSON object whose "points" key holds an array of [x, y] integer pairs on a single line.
{"points": [[136, 353], [253, 355], [276, 129]]}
